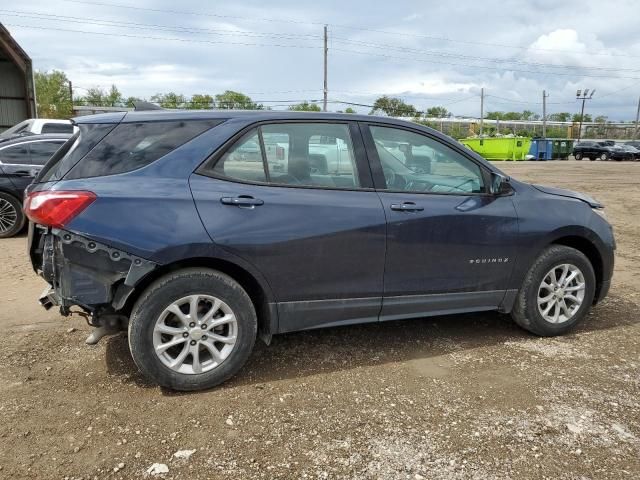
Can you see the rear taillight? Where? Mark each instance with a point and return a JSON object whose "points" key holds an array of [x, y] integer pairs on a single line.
{"points": [[56, 208]]}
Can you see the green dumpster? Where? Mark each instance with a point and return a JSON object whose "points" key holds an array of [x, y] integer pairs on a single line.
{"points": [[499, 148], [561, 148]]}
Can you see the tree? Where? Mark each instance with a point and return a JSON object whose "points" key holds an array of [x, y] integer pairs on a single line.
{"points": [[576, 118], [129, 101], [169, 100], [305, 107], [393, 107], [114, 97], [200, 102], [98, 97], [349, 110], [494, 115], [53, 95], [560, 117], [600, 119], [438, 112], [527, 115], [235, 100]]}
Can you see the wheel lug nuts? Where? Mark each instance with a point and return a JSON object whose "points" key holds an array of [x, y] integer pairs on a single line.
{"points": [[192, 324], [204, 337], [203, 326], [192, 342], [185, 334]]}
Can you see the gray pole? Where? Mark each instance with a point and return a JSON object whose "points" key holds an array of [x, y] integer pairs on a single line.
{"points": [[324, 102], [71, 96], [635, 132], [544, 114], [581, 117], [481, 110]]}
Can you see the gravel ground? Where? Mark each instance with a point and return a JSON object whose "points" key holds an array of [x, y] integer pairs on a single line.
{"points": [[468, 397]]}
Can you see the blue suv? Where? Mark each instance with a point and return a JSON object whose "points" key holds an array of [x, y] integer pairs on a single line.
{"points": [[199, 232]]}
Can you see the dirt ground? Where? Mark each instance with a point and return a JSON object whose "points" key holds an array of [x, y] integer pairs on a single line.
{"points": [[469, 396]]}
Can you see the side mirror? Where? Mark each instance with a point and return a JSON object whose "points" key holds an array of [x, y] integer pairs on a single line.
{"points": [[499, 184]]}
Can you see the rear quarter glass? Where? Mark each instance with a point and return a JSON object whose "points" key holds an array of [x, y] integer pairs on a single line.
{"points": [[130, 146]]}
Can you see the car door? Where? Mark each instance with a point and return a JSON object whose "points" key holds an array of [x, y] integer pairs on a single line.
{"points": [[22, 162], [450, 244], [318, 238]]}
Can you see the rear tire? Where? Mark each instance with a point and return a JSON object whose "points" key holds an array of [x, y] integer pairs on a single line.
{"points": [[529, 311], [11, 217], [197, 366]]}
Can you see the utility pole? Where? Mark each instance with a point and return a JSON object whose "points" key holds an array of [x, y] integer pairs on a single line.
{"points": [[71, 96], [324, 102], [583, 96], [635, 132], [544, 113], [481, 110]]}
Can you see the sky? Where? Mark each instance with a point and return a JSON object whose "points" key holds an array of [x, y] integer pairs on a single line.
{"points": [[426, 52]]}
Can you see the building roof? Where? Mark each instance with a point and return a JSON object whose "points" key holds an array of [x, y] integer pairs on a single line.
{"points": [[10, 49]]}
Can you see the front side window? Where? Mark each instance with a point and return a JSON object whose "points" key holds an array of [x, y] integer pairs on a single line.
{"points": [[416, 163], [15, 155], [41, 152], [294, 154]]}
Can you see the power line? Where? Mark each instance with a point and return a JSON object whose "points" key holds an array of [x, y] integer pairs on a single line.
{"points": [[350, 27], [175, 39], [474, 57], [538, 72], [200, 14], [178, 29], [244, 33], [306, 47]]}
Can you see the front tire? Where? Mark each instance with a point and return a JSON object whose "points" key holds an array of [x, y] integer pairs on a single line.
{"points": [[578, 156], [604, 157], [557, 292], [192, 329], [11, 216]]}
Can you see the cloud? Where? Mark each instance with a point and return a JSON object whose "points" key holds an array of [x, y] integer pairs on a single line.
{"points": [[437, 53]]}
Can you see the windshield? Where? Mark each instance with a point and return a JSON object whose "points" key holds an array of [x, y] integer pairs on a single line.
{"points": [[20, 127]]}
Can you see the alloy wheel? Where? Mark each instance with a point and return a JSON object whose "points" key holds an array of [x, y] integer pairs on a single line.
{"points": [[561, 293], [195, 334], [8, 215]]}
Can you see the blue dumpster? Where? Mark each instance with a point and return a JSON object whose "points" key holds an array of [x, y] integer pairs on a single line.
{"points": [[541, 149]]}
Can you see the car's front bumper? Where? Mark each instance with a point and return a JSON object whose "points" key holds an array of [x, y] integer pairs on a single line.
{"points": [[82, 272]]}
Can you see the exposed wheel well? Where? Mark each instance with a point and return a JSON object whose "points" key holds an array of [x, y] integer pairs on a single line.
{"points": [[246, 280], [590, 251]]}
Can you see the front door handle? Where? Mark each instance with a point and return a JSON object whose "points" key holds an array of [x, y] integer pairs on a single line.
{"points": [[406, 207], [242, 201]]}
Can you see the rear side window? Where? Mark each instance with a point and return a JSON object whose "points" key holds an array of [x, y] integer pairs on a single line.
{"points": [[73, 150], [15, 155], [130, 146], [57, 128], [294, 154]]}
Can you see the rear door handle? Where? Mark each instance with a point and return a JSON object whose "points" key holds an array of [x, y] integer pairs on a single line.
{"points": [[406, 207], [242, 201]]}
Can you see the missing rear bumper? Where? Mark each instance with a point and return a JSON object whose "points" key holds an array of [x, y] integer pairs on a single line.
{"points": [[85, 273]]}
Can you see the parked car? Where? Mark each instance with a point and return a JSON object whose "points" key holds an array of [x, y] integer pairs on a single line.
{"points": [[634, 151], [593, 150], [37, 126], [20, 161], [149, 221]]}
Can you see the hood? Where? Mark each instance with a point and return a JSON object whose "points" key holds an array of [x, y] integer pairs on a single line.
{"points": [[570, 194]]}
